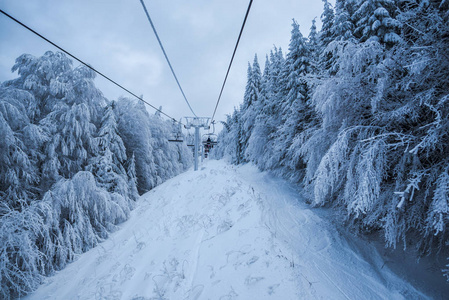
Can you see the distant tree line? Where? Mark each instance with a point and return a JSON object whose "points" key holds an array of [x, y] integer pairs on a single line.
{"points": [[358, 114]]}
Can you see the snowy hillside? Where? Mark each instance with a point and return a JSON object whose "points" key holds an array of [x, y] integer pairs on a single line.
{"points": [[226, 232]]}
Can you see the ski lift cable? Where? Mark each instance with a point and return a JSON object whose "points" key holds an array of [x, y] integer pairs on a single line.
{"points": [[232, 58], [85, 64], [166, 57]]}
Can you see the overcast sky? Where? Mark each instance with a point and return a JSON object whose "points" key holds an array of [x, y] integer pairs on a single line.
{"points": [[115, 37]]}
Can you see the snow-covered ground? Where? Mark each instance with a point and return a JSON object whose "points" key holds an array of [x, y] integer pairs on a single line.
{"points": [[227, 232]]}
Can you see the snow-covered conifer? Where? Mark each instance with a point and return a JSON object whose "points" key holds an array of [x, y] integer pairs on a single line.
{"points": [[249, 108], [343, 27], [327, 18], [376, 19]]}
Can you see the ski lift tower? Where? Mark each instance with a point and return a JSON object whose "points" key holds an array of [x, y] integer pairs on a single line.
{"points": [[197, 123]]}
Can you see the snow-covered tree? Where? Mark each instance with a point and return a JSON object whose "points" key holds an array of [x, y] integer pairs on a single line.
{"points": [[250, 107], [146, 137], [276, 91], [293, 108], [134, 128], [167, 156], [376, 19], [132, 178], [343, 27], [259, 136], [109, 138], [313, 40], [67, 177], [21, 261], [18, 173], [327, 18]]}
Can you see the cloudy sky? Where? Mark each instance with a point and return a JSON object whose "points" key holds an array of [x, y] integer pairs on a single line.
{"points": [[115, 37]]}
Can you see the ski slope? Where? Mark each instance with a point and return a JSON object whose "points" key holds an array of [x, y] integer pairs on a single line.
{"points": [[227, 232]]}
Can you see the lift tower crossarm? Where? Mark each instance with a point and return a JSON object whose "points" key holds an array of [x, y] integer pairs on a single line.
{"points": [[197, 123]]}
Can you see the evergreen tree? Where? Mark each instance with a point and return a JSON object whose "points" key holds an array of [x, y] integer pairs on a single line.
{"points": [[109, 138], [107, 165], [376, 19], [343, 28], [250, 103], [294, 115], [327, 19], [274, 91], [326, 37], [314, 46], [259, 136]]}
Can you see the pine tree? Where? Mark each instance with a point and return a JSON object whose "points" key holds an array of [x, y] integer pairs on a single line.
{"points": [[343, 28], [259, 134], [250, 103], [326, 37], [107, 164], [109, 138], [376, 19], [313, 43], [327, 18], [237, 130], [294, 113], [276, 87]]}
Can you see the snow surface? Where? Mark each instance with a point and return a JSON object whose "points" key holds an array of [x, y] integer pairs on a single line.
{"points": [[227, 232]]}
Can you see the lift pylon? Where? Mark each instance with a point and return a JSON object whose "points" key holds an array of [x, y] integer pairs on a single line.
{"points": [[197, 123]]}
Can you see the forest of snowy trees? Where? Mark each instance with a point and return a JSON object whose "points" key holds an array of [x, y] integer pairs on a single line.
{"points": [[358, 114], [72, 164]]}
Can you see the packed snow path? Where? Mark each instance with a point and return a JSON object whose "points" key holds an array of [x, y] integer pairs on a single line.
{"points": [[226, 232]]}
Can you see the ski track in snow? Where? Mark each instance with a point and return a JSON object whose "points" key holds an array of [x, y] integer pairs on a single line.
{"points": [[226, 232]]}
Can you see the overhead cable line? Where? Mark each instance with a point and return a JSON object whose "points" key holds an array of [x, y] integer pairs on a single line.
{"points": [[232, 59], [166, 57], [85, 64]]}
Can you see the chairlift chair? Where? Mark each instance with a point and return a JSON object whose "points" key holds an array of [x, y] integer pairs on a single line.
{"points": [[177, 138], [209, 140], [190, 140]]}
